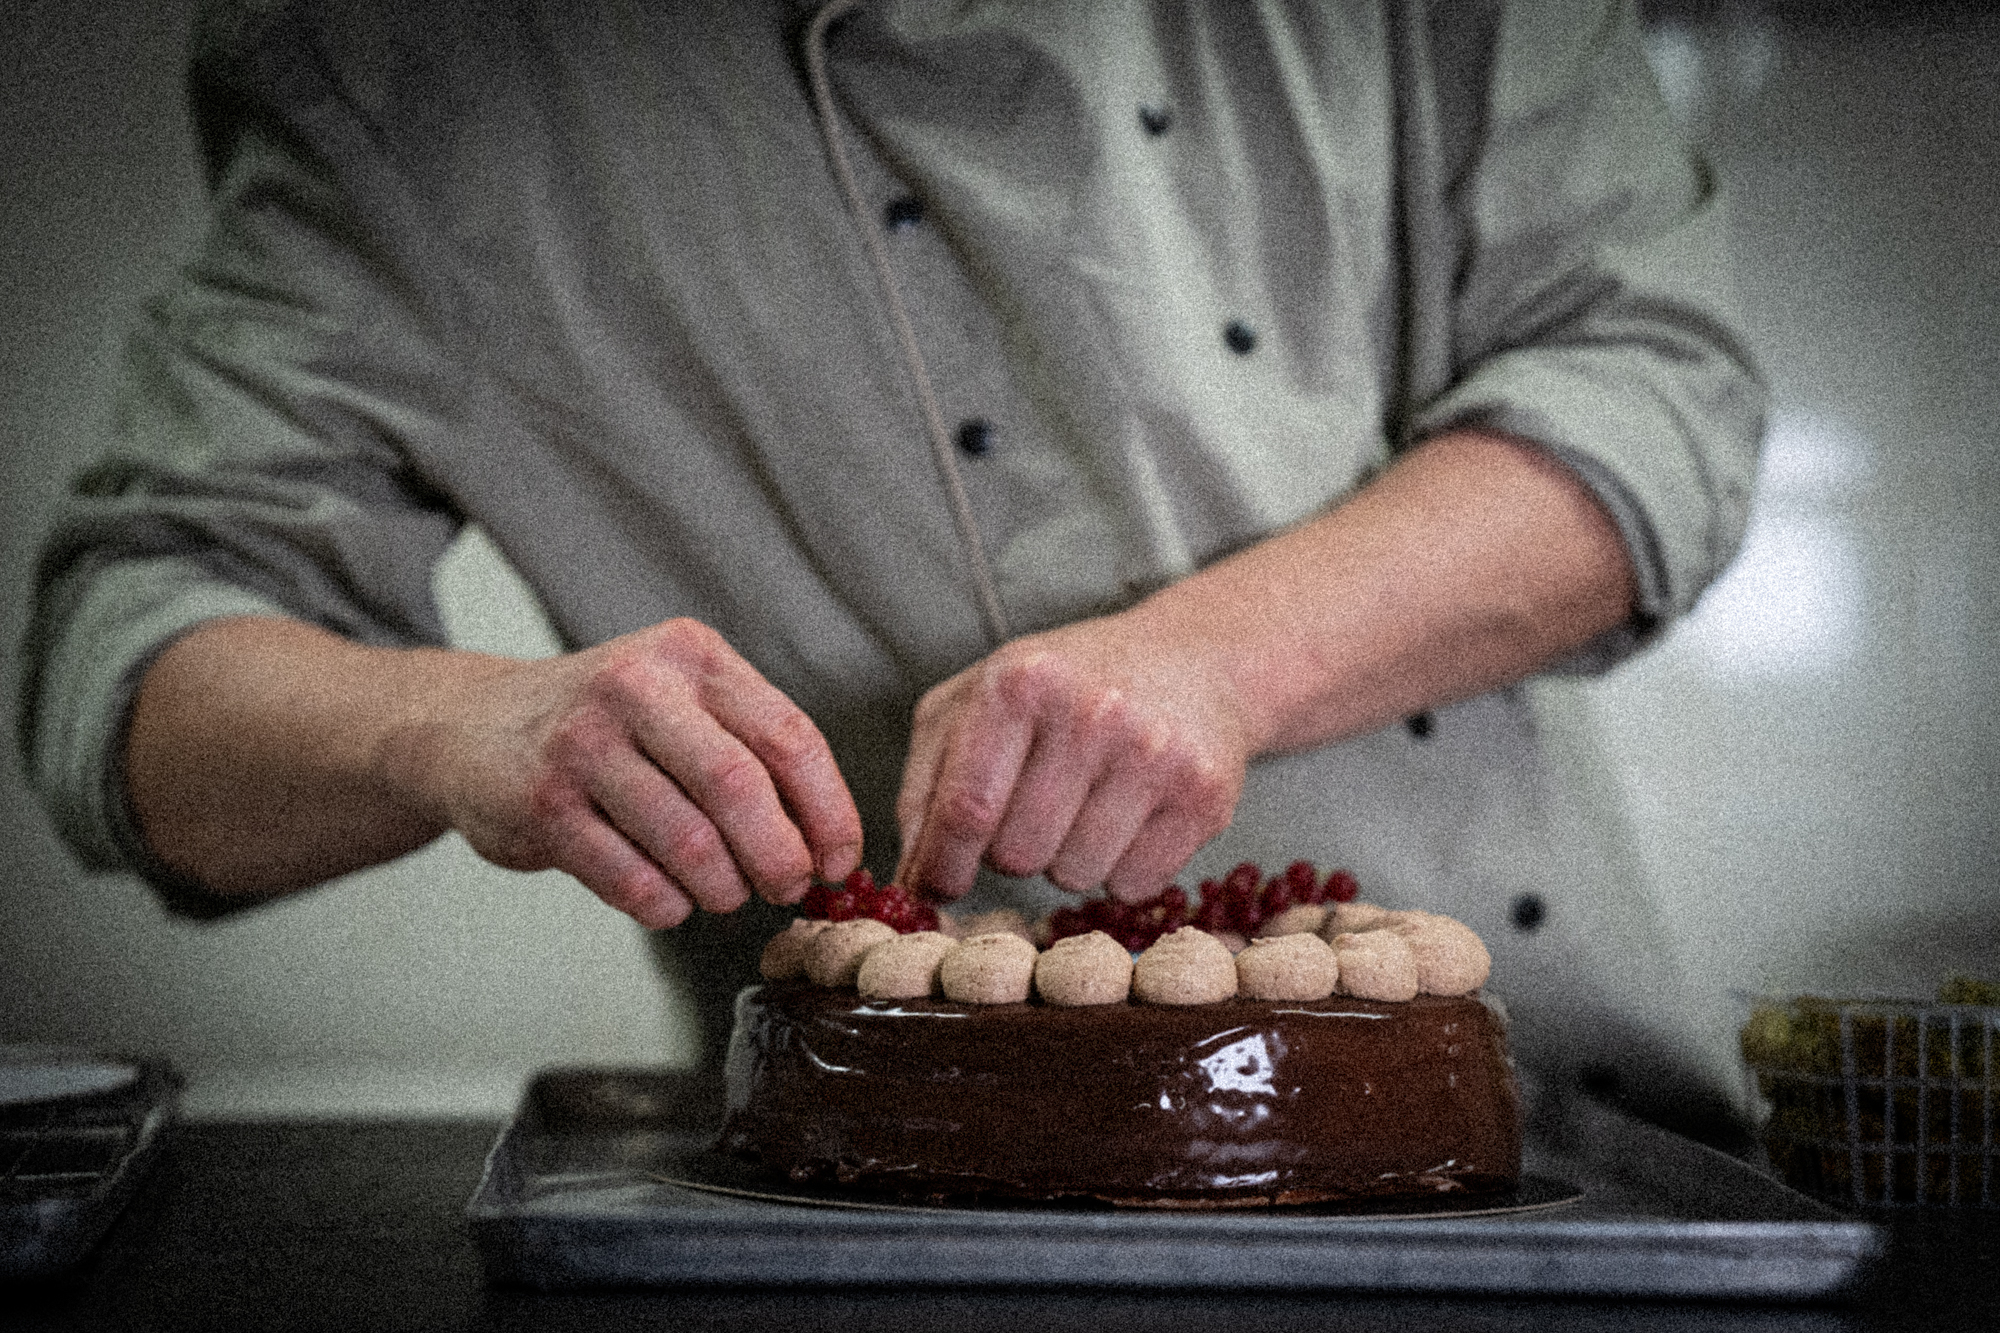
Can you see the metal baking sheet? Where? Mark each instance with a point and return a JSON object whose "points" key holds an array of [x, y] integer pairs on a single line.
{"points": [[77, 1132], [578, 1192]]}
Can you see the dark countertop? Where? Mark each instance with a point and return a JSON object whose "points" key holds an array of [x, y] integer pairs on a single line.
{"points": [[360, 1226]]}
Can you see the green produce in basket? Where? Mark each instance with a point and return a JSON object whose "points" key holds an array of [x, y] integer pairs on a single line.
{"points": [[1964, 990], [1905, 1093]]}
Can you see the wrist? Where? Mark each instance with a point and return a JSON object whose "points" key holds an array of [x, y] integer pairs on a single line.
{"points": [[1231, 665], [440, 706]]}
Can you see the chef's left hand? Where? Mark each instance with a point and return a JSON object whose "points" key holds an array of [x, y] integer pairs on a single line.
{"points": [[1108, 751], [1094, 754]]}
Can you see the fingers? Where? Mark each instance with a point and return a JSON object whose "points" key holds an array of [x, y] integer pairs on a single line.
{"points": [[1153, 806], [618, 872], [1047, 812], [654, 816], [751, 798], [718, 826], [1104, 830], [659, 768], [965, 799], [1159, 851], [1047, 762], [802, 776], [929, 732]]}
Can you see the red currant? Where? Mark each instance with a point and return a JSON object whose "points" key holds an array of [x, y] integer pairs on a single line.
{"points": [[860, 896]]}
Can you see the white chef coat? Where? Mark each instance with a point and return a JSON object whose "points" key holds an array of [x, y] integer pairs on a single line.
{"points": [[1178, 275]]}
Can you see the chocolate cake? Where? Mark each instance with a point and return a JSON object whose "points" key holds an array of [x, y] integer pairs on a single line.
{"points": [[1241, 1102]]}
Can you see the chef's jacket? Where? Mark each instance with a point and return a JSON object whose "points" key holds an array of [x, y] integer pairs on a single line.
{"points": [[1174, 275]]}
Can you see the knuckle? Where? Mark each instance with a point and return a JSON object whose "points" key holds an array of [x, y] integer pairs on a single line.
{"points": [[627, 891], [1208, 811], [1204, 795], [1105, 715], [965, 813], [621, 681], [1023, 680], [734, 781], [696, 846], [633, 887], [792, 739], [691, 643], [577, 743], [1211, 784], [548, 800], [1151, 743]]}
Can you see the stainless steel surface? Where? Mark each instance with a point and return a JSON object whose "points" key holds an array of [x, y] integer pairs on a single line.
{"points": [[581, 1203], [70, 1160]]}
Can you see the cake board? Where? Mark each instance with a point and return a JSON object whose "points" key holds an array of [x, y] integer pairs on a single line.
{"points": [[607, 1179]]}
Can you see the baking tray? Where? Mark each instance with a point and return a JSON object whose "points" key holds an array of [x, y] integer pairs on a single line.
{"points": [[74, 1144], [578, 1192]]}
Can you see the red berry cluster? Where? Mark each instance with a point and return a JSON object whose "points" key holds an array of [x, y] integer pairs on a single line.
{"points": [[860, 896], [1240, 902]]}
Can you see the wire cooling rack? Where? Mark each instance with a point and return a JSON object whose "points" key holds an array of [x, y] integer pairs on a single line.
{"points": [[1879, 1103]]}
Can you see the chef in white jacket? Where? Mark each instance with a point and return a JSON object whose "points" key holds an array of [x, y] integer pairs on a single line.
{"points": [[1035, 448]]}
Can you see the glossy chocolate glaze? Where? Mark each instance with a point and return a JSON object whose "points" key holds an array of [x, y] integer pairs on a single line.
{"points": [[1244, 1102]]}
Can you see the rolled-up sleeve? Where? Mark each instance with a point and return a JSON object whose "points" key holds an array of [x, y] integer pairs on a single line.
{"points": [[256, 467], [1593, 308]]}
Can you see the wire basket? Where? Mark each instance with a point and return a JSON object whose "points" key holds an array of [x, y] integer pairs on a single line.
{"points": [[1879, 1103]]}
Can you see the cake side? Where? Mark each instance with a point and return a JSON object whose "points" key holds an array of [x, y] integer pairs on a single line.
{"points": [[1240, 1102]]}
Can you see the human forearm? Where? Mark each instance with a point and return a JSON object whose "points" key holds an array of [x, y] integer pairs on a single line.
{"points": [[1473, 562], [1108, 751], [256, 754], [658, 768]]}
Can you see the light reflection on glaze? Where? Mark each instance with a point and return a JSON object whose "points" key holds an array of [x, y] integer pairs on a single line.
{"points": [[813, 1056], [1244, 1066], [897, 1011], [1214, 1037], [1244, 1182]]}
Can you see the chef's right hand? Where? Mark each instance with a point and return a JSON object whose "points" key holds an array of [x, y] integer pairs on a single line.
{"points": [[659, 768]]}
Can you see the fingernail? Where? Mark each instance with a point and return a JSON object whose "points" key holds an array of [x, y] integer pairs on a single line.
{"points": [[667, 914], [837, 864]]}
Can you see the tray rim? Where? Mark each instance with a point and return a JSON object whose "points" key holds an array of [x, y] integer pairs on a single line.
{"points": [[1799, 1250]]}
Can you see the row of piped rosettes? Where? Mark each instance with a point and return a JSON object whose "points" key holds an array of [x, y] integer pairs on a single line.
{"points": [[1306, 954]]}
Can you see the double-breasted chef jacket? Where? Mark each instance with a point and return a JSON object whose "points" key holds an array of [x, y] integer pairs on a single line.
{"points": [[1175, 274]]}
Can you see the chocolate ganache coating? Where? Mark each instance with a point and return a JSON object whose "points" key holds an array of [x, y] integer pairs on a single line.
{"points": [[1243, 1102]]}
